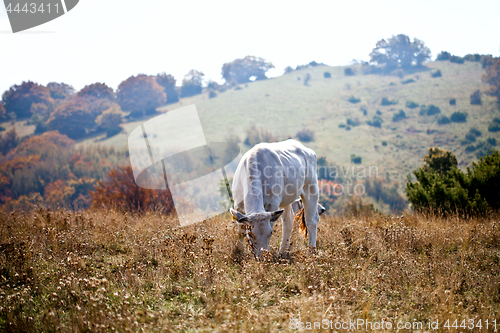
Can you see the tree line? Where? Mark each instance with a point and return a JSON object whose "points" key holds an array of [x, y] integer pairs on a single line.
{"points": [[97, 107]]}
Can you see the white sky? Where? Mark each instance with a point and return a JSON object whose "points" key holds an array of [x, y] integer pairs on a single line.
{"points": [[109, 40]]}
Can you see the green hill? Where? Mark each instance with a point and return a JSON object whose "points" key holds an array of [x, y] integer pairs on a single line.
{"points": [[284, 105]]}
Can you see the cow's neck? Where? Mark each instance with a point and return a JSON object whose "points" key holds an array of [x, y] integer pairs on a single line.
{"points": [[254, 200]]}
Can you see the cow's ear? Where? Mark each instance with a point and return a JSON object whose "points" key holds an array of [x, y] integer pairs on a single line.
{"points": [[240, 218], [276, 214]]}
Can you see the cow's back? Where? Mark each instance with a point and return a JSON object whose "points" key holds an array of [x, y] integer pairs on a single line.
{"points": [[275, 173]]}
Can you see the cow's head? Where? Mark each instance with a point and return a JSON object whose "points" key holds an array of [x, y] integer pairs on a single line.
{"points": [[258, 228]]}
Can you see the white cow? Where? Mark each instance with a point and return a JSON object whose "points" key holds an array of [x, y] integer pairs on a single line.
{"points": [[269, 178]]}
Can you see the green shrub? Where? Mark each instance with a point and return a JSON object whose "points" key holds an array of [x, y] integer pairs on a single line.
{"points": [[378, 113], [354, 100], [349, 71], [385, 101], [355, 159], [443, 120], [456, 60], [485, 179], [475, 131], [429, 110], [470, 148], [399, 116], [348, 128], [364, 110], [306, 135], [384, 143], [459, 117], [352, 123], [492, 141], [473, 57], [443, 194], [341, 125], [470, 137], [493, 127], [327, 75], [453, 101], [411, 105], [443, 56], [449, 190], [437, 74], [407, 81], [475, 98], [375, 122], [212, 94]]}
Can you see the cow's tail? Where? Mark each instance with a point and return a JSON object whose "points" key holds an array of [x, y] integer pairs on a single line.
{"points": [[301, 220]]}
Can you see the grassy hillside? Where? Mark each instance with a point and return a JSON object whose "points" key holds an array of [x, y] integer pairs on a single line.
{"points": [[105, 271], [284, 105]]}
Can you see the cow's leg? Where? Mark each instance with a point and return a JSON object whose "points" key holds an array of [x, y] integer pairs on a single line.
{"points": [[287, 226], [310, 200]]}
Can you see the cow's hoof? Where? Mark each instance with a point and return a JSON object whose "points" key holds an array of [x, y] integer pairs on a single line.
{"points": [[285, 254]]}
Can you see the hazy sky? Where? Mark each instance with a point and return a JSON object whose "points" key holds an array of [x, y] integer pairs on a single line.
{"points": [[109, 40]]}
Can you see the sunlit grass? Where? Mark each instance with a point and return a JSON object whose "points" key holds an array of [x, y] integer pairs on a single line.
{"points": [[109, 271]]}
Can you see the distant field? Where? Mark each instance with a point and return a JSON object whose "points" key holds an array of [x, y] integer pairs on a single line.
{"points": [[284, 105]]}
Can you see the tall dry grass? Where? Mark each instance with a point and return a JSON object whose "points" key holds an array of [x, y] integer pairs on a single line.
{"points": [[105, 271]]}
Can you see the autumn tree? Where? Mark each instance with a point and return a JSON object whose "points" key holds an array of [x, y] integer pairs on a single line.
{"points": [[8, 141], [77, 117], [35, 162], [3, 113], [243, 70], [19, 98], [168, 82], [492, 77], [400, 52], [192, 83], [140, 95], [97, 90], [60, 90], [120, 191], [110, 119]]}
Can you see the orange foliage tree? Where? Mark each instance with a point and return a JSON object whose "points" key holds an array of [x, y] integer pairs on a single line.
{"points": [[140, 95], [50, 167], [19, 98], [97, 90], [120, 191], [78, 116]]}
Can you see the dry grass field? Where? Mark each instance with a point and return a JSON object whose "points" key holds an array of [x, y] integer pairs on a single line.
{"points": [[106, 271]]}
